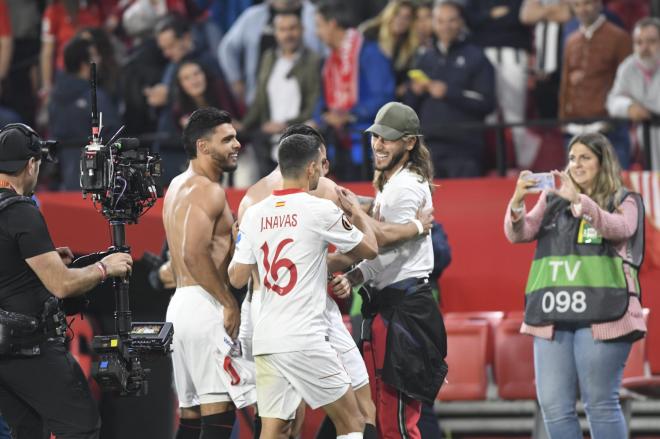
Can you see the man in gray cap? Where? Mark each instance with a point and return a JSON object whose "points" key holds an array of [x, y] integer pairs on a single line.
{"points": [[405, 341], [40, 382]]}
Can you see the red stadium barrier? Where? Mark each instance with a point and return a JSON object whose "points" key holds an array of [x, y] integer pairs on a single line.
{"points": [[487, 272]]}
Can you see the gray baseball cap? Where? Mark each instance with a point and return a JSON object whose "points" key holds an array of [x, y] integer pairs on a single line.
{"points": [[395, 120]]}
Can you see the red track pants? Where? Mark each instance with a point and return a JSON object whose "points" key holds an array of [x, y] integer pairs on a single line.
{"points": [[396, 414]]}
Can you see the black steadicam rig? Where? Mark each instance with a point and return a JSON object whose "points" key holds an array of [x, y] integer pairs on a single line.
{"points": [[123, 180]]}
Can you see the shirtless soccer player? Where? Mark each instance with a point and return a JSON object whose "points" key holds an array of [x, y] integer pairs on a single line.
{"points": [[339, 337], [286, 236], [203, 311]]}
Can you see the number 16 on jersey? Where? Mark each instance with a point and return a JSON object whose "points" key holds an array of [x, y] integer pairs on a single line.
{"points": [[273, 268]]}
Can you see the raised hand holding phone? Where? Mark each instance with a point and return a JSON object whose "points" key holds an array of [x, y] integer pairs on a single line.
{"points": [[527, 184]]}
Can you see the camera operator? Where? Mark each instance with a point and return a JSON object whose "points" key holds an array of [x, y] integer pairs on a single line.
{"points": [[40, 382]]}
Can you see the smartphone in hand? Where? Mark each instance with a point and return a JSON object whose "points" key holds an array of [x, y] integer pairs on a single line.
{"points": [[418, 75], [544, 180]]}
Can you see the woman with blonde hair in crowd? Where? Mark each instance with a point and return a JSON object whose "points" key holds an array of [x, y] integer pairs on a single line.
{"points": [[582, 299], [393, 29]]}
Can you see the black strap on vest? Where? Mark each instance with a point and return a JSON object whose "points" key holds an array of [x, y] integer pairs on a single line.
{"points": [[20, 334], [9, 198]]}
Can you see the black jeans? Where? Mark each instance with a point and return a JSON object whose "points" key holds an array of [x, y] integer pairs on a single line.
{"points": [[47, 393]]}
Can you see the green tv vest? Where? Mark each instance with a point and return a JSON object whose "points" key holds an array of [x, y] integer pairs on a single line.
{"points": [[577, 275]]}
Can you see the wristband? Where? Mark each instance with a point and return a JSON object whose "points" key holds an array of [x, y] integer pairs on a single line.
{"points": [[420, 227], [518, 210], [104, 271]]}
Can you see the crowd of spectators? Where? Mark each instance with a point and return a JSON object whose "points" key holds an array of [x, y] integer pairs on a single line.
{"points": [[332, 63]]}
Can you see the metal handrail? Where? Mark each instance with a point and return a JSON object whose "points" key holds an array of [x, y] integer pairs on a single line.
{"points": [[167, 141]]}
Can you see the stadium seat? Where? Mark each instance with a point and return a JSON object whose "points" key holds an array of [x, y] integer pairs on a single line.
{"points": [[635, 364], [514, 360], [493, 318], [466, 357], [648, 386], [637, 376]]}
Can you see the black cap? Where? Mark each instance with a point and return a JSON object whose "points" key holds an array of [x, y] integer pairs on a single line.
{"points": [[19, 142]]}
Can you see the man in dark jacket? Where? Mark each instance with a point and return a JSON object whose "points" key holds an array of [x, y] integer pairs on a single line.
{"points": [[69, 110], [496, 27], [458, 87]]}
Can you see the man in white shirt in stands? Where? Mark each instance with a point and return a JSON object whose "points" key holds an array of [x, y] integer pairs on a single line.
{"points": [[406, 347], [286, 236], [637, 85]]}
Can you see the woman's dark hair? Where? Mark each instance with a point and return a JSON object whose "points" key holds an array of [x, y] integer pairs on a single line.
{"points": [[184, 103], [108, 70], [76, 54], [216, 94]]}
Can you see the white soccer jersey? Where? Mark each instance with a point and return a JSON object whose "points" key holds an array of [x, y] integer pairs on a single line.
{"points": [[402, 195], [287, 236]]}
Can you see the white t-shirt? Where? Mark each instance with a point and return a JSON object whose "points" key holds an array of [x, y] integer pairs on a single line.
{"points": [[284, 96], [287, 236], [402, 195]]}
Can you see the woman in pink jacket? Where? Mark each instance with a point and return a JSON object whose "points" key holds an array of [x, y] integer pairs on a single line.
{"points": [[582, 300]]}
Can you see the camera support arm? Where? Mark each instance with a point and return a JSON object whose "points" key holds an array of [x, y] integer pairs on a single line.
{"points": [[121, 285]]}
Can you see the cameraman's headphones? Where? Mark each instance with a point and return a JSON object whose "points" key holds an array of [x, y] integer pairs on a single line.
{"points": [[27, 131], [42, 148]]}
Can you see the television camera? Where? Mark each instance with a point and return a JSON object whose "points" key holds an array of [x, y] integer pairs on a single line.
{"points": [[123, 180]]}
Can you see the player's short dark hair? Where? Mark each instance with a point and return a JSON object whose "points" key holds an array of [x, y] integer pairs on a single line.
{"points": [[201, 124], [295, 153], [340, 11], [305, 130], [76, 54]]}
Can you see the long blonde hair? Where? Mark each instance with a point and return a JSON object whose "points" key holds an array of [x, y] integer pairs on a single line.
{"points": [[419, 161], [388, 41], [608, 189]]}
